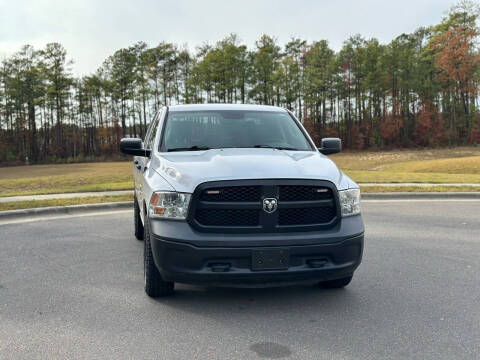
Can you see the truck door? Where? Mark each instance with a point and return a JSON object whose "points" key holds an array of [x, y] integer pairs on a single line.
{"points": [[144, 162]]}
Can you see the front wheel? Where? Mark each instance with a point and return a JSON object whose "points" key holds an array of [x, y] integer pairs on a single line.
{"points": [[155, 286], [335, 284]]}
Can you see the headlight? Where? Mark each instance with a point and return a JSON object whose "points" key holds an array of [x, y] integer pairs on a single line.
{"points": [[169, 205], [350, 202]]}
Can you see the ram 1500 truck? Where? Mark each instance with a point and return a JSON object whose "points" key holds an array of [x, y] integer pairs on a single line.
{"points": [[239, 195]]}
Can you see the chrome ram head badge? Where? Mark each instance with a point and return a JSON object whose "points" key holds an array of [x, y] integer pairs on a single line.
{"points": [[269, 205]]}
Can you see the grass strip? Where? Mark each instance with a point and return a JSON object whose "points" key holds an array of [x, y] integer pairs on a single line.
{"points": [[430, 189], [16, 205]]}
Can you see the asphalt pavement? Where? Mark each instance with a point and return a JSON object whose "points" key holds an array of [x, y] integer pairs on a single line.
{"points": [[72, 287]]}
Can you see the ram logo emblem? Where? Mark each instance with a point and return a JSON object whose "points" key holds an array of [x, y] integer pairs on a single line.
{"points": [[269, 205]]}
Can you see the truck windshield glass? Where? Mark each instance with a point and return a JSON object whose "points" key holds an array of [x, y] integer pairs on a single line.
{"points": [[203, 130]]}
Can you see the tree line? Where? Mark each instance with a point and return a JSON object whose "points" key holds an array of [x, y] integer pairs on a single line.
{"points": [[421, 89]]}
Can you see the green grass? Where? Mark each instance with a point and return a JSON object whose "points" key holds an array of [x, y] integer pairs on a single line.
{"points": [[15, 205], [384, 189], [459, 165], [66, 178], [367, 176]]}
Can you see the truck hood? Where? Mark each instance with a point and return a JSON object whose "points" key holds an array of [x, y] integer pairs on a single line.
{"points": [[185, 170]]}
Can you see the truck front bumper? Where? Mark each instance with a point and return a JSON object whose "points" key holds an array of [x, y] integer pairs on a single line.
{"points": [[183, 255]]}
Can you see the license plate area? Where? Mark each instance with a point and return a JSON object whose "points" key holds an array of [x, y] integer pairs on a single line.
{"points": [[270, 259]]}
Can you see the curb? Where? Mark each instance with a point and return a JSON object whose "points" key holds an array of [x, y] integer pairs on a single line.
{"points": [[64, 195], [420, 195], [70, 209]]}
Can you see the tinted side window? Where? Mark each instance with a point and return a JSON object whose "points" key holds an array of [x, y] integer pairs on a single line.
{"points": [[152, 131]]}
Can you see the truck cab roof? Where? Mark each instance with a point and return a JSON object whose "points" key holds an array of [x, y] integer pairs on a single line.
{"points": [[214, 107]]}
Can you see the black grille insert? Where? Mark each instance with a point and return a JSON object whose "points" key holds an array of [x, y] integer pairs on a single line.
{"points": [[304, 193], [306, 216], [228, 217], [233, 194]]}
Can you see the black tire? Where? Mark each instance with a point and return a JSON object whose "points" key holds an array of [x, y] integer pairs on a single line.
{"points": [[137, 220], [335, 284], [155, 286]]}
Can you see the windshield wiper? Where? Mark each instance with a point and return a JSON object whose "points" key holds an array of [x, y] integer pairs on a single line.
{"points": [[276, 147], [191, 148]]}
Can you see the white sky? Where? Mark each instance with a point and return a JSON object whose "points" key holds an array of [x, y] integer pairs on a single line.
{"points": [[91, 30]]}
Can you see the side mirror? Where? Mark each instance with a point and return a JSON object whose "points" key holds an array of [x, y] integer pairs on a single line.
{"points": [[330, 146], [133, 146]]}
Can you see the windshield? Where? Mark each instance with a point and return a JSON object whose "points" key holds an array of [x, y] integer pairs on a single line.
{"points": [[202, 130]]}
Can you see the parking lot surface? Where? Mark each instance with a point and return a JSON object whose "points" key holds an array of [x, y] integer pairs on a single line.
{"points": [[72, 287]]}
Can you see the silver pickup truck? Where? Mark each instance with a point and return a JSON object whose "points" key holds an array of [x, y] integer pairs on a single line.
{"points": [[239, 195]]}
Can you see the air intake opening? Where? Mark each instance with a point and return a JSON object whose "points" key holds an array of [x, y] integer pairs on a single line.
{"points": [[220, 267]]}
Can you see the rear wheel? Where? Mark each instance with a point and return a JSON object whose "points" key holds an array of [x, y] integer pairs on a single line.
{"points": [[155, 286], [137, 220], [335, 284]]}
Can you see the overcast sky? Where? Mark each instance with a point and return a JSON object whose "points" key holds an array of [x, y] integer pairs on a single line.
{"points": [[91, 30]]}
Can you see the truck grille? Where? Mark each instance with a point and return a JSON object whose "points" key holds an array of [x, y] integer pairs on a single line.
{"points": [[237, 206]]}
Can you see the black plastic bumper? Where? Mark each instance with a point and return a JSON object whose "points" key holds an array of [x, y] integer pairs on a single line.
{"points": [[227, 260]]}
